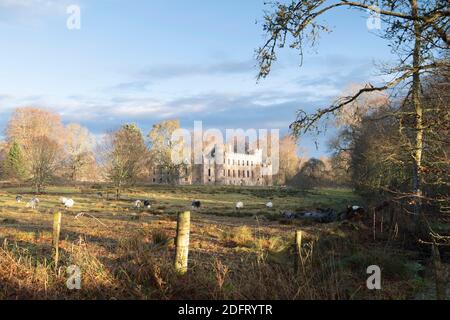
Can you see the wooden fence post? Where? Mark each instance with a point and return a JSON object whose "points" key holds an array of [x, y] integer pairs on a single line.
{"points": [[298, 250], [182, 242], [56, 231]]}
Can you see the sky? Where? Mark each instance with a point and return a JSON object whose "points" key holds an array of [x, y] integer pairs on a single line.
{"points": [[144, 61]]}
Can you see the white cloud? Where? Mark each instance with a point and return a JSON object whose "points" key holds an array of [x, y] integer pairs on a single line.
{"points": [[28, 4], [25, 10]]}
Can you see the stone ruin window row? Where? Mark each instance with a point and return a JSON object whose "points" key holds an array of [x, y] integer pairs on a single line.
{"points": [[239, 162]]}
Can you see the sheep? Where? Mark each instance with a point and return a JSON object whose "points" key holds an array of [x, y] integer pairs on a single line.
{"points": [[33, 203], [359, 210], [63, 200], [320, 215], [269, 205], [69, 203], [137, 204], [19, 199], [147, 204], [196, 205], [239, 205], [327, 216], [354, 212], [288, 215]]}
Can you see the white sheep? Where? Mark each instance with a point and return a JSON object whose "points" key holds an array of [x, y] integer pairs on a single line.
{"points": [[63, 200], [137, 204], [239, 205], [269, 205], [33, 203], [69, 203]]}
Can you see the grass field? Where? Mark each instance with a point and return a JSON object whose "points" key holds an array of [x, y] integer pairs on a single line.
{"points": [[128, 254]]}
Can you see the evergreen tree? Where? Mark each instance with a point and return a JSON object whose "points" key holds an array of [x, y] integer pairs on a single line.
{"points": [[14, 165]]}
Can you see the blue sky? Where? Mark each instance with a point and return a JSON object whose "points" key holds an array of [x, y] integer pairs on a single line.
{"points": [[147, 60]]}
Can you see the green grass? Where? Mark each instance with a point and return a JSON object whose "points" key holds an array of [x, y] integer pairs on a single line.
{"points": [[216, 200]]}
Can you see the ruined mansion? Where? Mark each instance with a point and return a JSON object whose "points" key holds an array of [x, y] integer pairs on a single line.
{"points": [[247, 168]]}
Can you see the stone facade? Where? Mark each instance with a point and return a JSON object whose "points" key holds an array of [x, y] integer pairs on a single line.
{"points": [[246, 169]]}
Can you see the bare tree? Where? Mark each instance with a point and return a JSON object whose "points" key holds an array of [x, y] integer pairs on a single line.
{"points": [[79, 144], [44, 157], [416, 29]]}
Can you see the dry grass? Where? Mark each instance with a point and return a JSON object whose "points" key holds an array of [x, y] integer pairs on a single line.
{"points": [[232, 256]]}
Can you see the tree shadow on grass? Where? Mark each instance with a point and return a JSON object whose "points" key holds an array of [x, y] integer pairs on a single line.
{"points": [[67, 235]]}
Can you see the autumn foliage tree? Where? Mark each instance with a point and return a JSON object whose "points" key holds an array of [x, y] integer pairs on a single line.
{"points": [[163, 146], [29, 123], [125, 156], [289, 159], [40, 135]]}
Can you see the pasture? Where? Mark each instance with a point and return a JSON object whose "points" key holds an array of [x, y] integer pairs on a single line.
{"points": [[127, 253]]}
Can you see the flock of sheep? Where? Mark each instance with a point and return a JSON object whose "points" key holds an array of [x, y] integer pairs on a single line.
{"points": [[34, 202], [320, 216], [240, 205], [327, 215], [142, 203], [137, 204]]}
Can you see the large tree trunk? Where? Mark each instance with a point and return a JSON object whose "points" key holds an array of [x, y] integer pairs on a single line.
{"points": [[74, 173], [418, 143]]}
